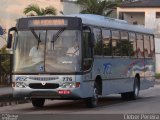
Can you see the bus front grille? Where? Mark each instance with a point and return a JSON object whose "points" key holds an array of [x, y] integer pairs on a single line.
{"points": [[46, 86]]}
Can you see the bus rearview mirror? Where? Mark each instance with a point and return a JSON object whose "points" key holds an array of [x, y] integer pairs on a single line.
{"points": [[9, 41], [10, 37]]}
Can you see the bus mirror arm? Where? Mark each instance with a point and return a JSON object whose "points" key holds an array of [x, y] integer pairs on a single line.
{"points": [[10, 37], [9, 41]]}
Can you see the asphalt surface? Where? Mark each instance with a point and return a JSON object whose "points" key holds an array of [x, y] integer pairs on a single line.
{"points": [[111, 107]]}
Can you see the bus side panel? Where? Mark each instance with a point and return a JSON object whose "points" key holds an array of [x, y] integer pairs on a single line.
{"points": [[117, 86], [118, 73], [149, 79], [115, 74]]}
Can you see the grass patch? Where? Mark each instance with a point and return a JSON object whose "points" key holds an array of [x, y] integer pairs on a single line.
{"points": [[157, 75]]}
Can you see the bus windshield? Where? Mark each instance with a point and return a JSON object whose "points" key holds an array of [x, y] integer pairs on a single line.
{"points": [[52, 51]]}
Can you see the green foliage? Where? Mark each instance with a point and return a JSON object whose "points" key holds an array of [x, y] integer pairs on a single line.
{"points": [[5, 59], [97, 48], [5, 64], [122, 48], [34, 9], [98, 7], [4, 51], [107, 49], [157, 75]]}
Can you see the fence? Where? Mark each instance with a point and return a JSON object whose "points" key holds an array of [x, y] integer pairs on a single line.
{"points": [[6, 63]]}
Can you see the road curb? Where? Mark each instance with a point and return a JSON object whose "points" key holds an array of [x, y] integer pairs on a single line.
{"points": [[157, 81], [8, 99]]}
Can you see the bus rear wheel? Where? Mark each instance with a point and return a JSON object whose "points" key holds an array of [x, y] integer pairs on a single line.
{"points": [[38, 102], [92, 102], [134, 94]]}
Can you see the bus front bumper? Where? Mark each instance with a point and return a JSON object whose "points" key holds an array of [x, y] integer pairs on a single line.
{"points": [[58, 93]]}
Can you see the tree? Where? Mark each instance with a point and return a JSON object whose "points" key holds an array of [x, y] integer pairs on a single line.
{"points": [[5, 66], [34, 9], [99, 7], [3, 50]]}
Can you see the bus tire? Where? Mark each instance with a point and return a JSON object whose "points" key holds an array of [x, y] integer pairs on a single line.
{"points": [[38, 102], [134, 94], [92, 102]]}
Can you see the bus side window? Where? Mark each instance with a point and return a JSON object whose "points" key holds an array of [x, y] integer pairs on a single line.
{"points": [[116, 47], [152, 46], [98, 41], [140, 51], [124, 43], [106, 40], [146, 46], [133, 46]]}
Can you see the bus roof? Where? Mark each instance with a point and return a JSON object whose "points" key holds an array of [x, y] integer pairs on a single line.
{"points": [[97, 20]]}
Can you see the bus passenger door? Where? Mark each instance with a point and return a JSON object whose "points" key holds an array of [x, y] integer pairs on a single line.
{"points": [[87, 60], [87, 49]]}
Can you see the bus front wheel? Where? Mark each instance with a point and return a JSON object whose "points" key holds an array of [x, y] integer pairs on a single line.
{"points": [[92, 102], [38, 102], [134, 94]]}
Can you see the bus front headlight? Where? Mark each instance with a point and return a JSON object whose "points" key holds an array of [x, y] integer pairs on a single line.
{"points": [[21, 85], [70, 85]]}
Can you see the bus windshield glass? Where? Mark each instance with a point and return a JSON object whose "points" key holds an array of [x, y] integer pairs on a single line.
{"points": [[52, 51]]}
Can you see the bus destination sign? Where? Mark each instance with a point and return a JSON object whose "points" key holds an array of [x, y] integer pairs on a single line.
{"points": [[47, 22]]}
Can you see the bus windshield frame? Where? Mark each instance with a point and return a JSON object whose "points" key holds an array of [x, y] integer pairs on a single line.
{"points": [[59, 48]]}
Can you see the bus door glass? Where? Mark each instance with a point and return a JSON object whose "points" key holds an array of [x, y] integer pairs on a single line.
{"points": [[87, 50]]}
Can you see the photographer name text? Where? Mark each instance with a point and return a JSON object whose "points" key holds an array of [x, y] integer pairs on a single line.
{"points": [[141, 116]]}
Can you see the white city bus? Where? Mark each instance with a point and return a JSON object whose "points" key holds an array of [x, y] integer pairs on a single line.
{"points": [[80, 56]]}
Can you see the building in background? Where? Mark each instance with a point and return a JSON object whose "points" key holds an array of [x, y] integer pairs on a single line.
{"points": [[147, 14], [11, 10], [1, 31], [70, 7], [2, 42]]}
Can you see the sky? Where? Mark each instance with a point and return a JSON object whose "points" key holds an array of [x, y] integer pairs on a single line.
{"points": [[11, 10]]}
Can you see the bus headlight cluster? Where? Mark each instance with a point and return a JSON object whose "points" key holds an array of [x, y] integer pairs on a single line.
{"points": [[21, 85], [70, 85]]}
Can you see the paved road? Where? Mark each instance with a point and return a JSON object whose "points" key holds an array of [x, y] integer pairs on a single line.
{"points": [[113, 105], [112, 108], [148, 102]]}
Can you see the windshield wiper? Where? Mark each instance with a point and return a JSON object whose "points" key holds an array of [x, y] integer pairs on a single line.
{"points": [[37, 37], [56, 36]]}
